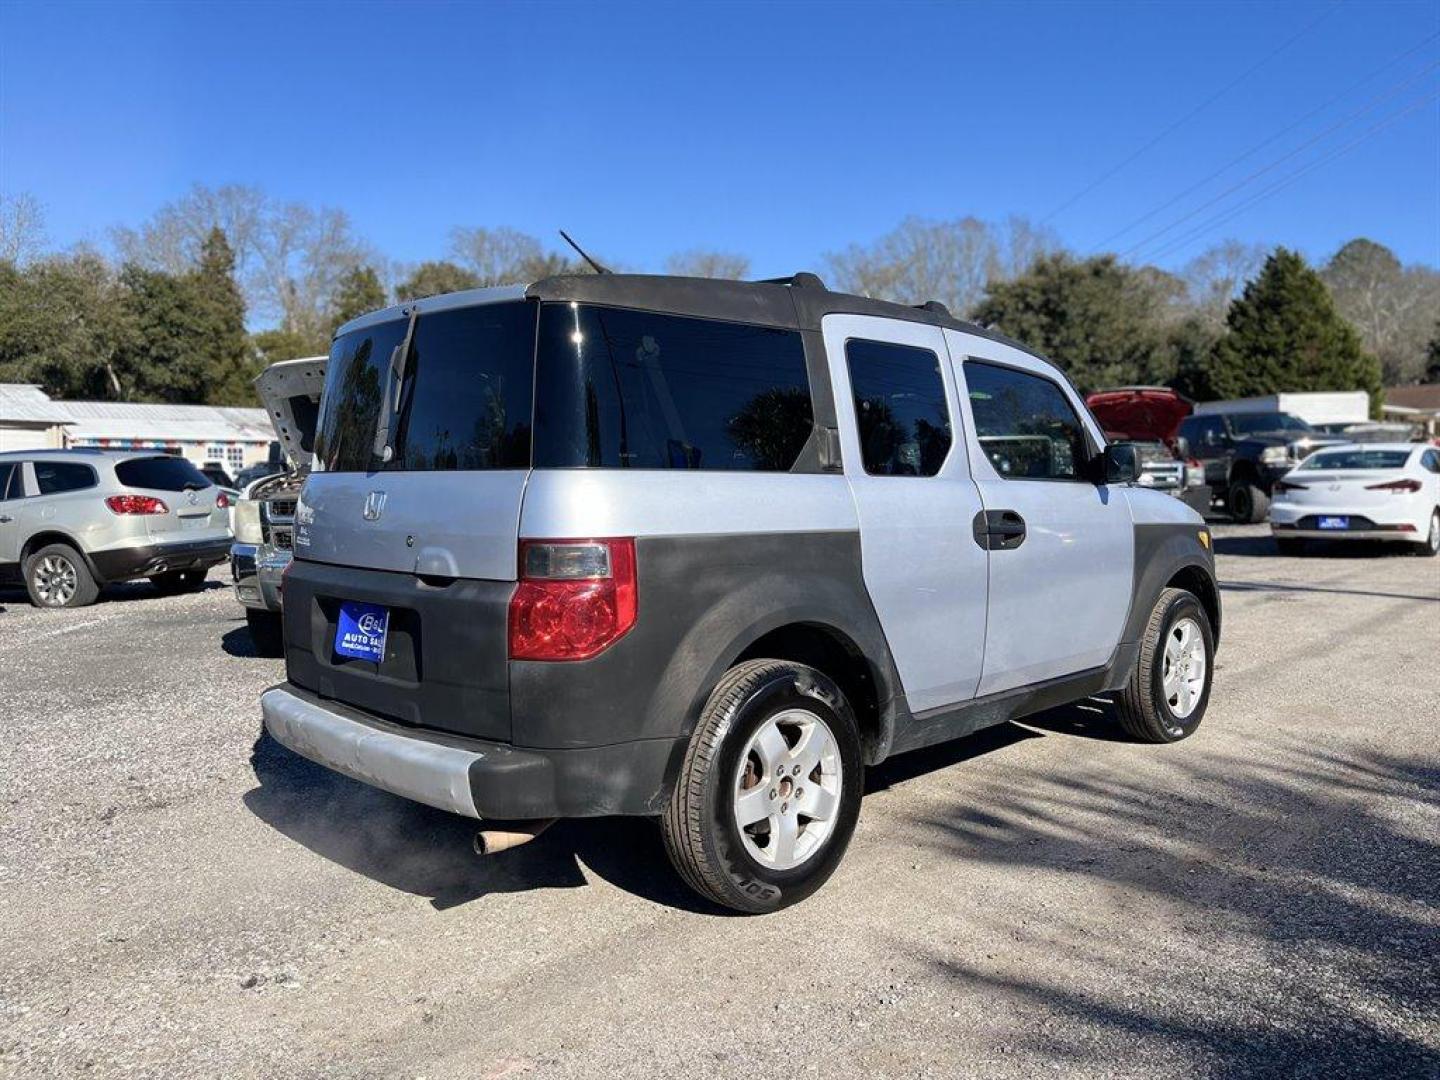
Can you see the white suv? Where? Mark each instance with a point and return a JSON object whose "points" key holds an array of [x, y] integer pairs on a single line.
{"points": [[704, 550], [74, 520]]}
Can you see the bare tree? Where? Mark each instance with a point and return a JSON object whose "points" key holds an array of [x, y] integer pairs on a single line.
{"points": [[708, 264], [496, 256], [22, 228], [950, 261], [1391, 305], [1217, 275]]}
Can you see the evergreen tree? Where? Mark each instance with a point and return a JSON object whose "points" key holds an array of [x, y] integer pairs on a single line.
{"points": [[1284, 334], [434, 278], [358, 292], [229, 363]]}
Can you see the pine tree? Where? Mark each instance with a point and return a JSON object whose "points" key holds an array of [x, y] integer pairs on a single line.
{"points": [[359, 291], [229, 361], [1284, 334], [434, 278]]}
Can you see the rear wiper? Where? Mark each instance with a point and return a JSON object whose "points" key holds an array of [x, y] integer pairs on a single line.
{"points": [[395, 378]]}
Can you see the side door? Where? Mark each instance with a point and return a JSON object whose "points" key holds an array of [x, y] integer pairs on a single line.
{"points": [[11, 488], [900, 435], [1061, 547]]}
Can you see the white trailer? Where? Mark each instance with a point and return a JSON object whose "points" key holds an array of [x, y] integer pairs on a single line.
{"points": [[1314, 407]]}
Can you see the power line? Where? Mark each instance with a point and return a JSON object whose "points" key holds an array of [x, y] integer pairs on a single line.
{"points": [[1266, 142], [1286, 181], [1191, 114], [1392, 92]]}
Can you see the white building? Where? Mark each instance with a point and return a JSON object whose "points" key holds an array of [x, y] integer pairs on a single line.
{"points": [[235, 437]]}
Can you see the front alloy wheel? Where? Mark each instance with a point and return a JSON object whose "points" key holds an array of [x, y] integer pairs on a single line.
{"points": [[1169, 687]]}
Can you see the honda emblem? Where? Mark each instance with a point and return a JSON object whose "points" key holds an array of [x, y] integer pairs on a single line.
{"points": [[374, 505]]}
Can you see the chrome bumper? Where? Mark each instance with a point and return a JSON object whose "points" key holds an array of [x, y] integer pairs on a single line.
{"points": [[258, 570], [403, 765]]}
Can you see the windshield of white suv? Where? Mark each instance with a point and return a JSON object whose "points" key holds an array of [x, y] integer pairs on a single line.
{"points": [[1356, 459], [1261, 423]]}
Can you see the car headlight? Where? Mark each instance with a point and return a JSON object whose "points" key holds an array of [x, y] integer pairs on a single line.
{"points": [[1274, 455], [245, 521]]}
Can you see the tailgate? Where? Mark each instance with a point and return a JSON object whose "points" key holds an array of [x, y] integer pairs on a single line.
{"points": [[445, 664]]}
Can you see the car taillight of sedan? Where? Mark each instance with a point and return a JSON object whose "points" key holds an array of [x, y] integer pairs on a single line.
{"points": [[1398, 487], [136, 504], [1282, 486]]}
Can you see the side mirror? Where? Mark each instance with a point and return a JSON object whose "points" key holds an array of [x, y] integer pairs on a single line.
{"points": [[1182, 447], [1119, 464]]}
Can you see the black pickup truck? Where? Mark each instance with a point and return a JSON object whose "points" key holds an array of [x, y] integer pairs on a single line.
{"points": [[1245, 453]]}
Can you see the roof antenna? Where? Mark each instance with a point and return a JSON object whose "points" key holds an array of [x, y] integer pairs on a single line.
{"points": [[593, 264]]}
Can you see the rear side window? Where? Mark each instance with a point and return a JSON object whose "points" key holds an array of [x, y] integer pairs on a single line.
{"points": [[900, 408], [165, 473], [628, 389], [465, 401], [55, 477], [1025, 424]]}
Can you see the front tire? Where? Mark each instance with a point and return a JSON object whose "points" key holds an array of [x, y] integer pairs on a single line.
{"points": [[1169, 689], [1247, 502], [769, 790], [57, 576]]}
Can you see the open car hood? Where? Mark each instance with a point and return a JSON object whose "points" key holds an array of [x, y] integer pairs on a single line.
{"points": [[290, 392], [1140, 413]]}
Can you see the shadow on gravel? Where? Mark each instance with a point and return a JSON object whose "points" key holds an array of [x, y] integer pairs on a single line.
{"points": [[1264, 547], [428, 852], [1313, 879], [1287, 587]]}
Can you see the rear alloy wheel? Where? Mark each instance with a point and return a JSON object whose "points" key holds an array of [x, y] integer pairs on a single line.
{"points": [[1247, 502], [1430, 546], [179, 581], [1169, 689], [769, 790], [57, 577]]}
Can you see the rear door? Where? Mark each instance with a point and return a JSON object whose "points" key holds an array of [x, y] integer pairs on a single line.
{"points": [[457, 402], [9, 526], [1062, 553], [900, 435]]}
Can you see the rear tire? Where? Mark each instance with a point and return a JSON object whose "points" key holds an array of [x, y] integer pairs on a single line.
{"points": [[1248, 504], [775, 739], [1166, 697], [1290, 546], [57, 576], [179, 581], [1430, 546], [267, 632]]}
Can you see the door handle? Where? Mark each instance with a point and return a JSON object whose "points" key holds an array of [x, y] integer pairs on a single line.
{"points": [[999, 530], [5, 519]]}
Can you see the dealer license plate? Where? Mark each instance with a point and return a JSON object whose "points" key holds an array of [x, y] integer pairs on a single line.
{"points": [[1334, 523], [360, 631]]}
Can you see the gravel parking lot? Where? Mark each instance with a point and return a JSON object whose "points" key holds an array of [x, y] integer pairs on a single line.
{"points": [[183, 897]]}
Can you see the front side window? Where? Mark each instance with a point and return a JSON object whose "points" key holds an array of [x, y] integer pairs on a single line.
{"points": [[1025, 424], [623, 389], [464, 402], [56, 477], [900, 408]]}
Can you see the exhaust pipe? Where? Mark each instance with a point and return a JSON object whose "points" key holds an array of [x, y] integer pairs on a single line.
{"points": [[509, 834]]}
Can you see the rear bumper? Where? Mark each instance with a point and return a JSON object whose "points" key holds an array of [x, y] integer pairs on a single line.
{"points": [[1384, 532], [472, 777], [143, 560]]}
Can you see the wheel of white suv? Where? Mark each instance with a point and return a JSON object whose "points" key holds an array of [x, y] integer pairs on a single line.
{"points": [[1169, 689], [56, 576], [1430, 546], [769, 791]]}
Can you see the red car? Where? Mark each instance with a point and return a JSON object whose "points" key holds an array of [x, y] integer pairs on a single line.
{"points": [[1149, 417]]}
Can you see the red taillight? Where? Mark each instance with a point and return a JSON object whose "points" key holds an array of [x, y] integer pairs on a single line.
{"points": [[222, 501], [1400, 487], [136, 504], [575, 599], [1288, 485]]}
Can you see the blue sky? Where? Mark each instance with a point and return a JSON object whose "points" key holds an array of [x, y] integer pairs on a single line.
{"points": [[778, 131]]}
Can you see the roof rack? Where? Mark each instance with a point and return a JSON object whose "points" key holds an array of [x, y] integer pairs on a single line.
{"points": [[801, 280]]}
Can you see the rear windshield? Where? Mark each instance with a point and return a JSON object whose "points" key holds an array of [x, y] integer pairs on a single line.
{"points": [[1357, 459], [626, 389], [465, 401], [615, 388], [164, 473], [1257, 423]]}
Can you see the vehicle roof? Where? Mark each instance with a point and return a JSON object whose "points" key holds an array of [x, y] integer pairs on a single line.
{"points": [[80, 453], [794, 303]]}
